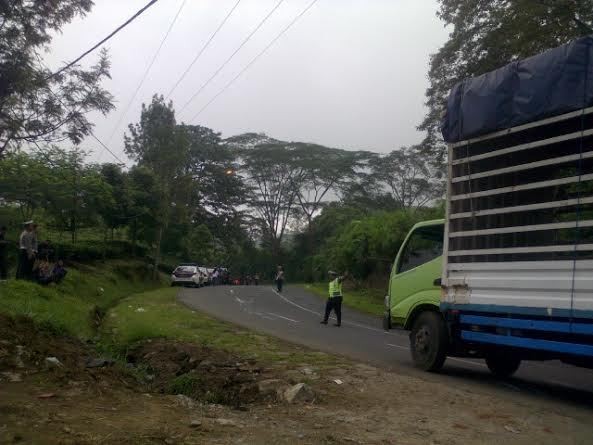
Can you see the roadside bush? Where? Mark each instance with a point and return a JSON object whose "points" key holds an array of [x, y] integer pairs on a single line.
{"points": [[84, 251]]}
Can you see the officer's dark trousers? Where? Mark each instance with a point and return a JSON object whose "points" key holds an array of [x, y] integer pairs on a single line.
{"points": [[3, 266], [334, 303], [24, 270]]}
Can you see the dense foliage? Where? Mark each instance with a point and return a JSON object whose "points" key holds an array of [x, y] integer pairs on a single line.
{"points": [[487, 34], [35, 106]]}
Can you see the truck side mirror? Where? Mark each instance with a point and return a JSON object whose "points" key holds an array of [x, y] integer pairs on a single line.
{"points": [[437, 282]]}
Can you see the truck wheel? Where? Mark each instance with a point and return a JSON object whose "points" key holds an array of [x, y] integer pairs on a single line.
{"points": [[502, 365], [428, 342], [387, 320]]}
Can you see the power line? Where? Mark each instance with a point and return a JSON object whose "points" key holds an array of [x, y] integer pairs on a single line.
{"points": [[264, 20], [105, 147], [302, 13], [202, 49], [118, 29], [145, 75]]}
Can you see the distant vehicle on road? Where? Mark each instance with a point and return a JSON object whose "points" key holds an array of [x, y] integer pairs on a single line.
{"points": [[187, 275]]}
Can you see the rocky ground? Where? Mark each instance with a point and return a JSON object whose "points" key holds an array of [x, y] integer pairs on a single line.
{"points": [[56, 390]]}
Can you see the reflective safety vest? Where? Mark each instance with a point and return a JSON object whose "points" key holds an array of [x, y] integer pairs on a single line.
{"points": [[335, 288]]}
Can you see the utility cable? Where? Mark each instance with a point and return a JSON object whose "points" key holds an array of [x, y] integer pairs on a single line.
{"points": [[59, 99], [145, 75], [234, 79], [202, 49], [261, 23], [118, 29]]}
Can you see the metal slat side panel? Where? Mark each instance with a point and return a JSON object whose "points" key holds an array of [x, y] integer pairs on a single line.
{"points": [[494, 220], [445, 273], [524, 187], [534, 284], [523, 167], [520, 128], [528, 146], [583, 287]]}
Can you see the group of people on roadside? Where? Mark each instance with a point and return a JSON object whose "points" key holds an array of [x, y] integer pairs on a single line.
{"points": [[35, 261]]}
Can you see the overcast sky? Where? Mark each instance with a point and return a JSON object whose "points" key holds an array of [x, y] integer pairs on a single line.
{"points": [[349, 74]]}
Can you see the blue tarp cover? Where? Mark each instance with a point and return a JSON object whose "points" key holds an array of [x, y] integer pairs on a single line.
{"points": [[555, 82]]}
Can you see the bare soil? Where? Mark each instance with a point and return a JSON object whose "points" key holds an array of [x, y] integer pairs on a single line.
{"points": [[180, 393]]}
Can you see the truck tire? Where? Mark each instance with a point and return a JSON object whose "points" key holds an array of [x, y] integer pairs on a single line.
{"points": [[502, 365], [428, 341]]}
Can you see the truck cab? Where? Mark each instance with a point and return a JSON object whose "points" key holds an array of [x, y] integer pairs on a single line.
{"points": [[414, 284]]}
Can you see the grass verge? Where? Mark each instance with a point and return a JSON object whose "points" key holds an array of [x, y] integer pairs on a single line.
{"points": [[367, 300], [75, 306], [158, 314]]}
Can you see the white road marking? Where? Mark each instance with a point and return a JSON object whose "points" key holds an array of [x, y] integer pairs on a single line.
{"points": [[285, 318], [333, 318], [398, 346]]}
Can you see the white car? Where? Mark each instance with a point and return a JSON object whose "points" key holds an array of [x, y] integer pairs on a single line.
{"points": [[187, 275]]}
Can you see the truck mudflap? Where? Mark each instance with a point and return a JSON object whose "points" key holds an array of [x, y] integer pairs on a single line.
{"points": [[539, 337]]}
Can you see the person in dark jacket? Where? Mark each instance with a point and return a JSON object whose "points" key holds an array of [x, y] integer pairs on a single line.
{"points": [[280, 278], [27, 246]]}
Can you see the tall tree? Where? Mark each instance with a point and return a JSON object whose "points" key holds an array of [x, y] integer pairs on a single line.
{"points": [[407, 177], [34, 105], [274, 181], [487, 34], [325, 170], [157, 143], [118, 213]]}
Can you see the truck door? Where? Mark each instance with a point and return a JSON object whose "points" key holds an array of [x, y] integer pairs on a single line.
{"points": [[417, 267]]}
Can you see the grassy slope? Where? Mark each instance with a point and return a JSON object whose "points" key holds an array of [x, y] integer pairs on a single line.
{"points": [[70, 307], [118, 289], [158, 314], [366, 300]]}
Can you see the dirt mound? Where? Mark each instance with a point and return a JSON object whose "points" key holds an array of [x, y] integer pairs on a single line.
{"points": [[28, 349], [208, 375]]}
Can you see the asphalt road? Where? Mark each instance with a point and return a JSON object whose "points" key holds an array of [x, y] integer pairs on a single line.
{"points": [[294, 316]]}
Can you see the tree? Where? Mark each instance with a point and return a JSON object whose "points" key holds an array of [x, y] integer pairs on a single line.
{"points": [[324, 170], [274, 181], [117, 214], [217, 188], [407, 177], [489, 34], [76, 192], [36, 106], [157, 143], [24, 180]]}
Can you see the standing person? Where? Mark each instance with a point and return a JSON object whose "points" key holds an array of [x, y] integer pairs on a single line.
{"points": [[335, 298], [26, 259], [280, 278], [3, 254], [35, 240], [256, 278]]}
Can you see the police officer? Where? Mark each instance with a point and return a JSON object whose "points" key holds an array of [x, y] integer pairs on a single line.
{"points": [[335, 297]]}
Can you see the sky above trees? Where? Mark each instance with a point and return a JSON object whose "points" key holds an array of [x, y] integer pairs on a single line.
{"points": [[350, 73]]}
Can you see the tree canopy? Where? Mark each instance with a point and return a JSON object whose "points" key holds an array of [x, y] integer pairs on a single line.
{"points": [[487, 34], [36, 107]]}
